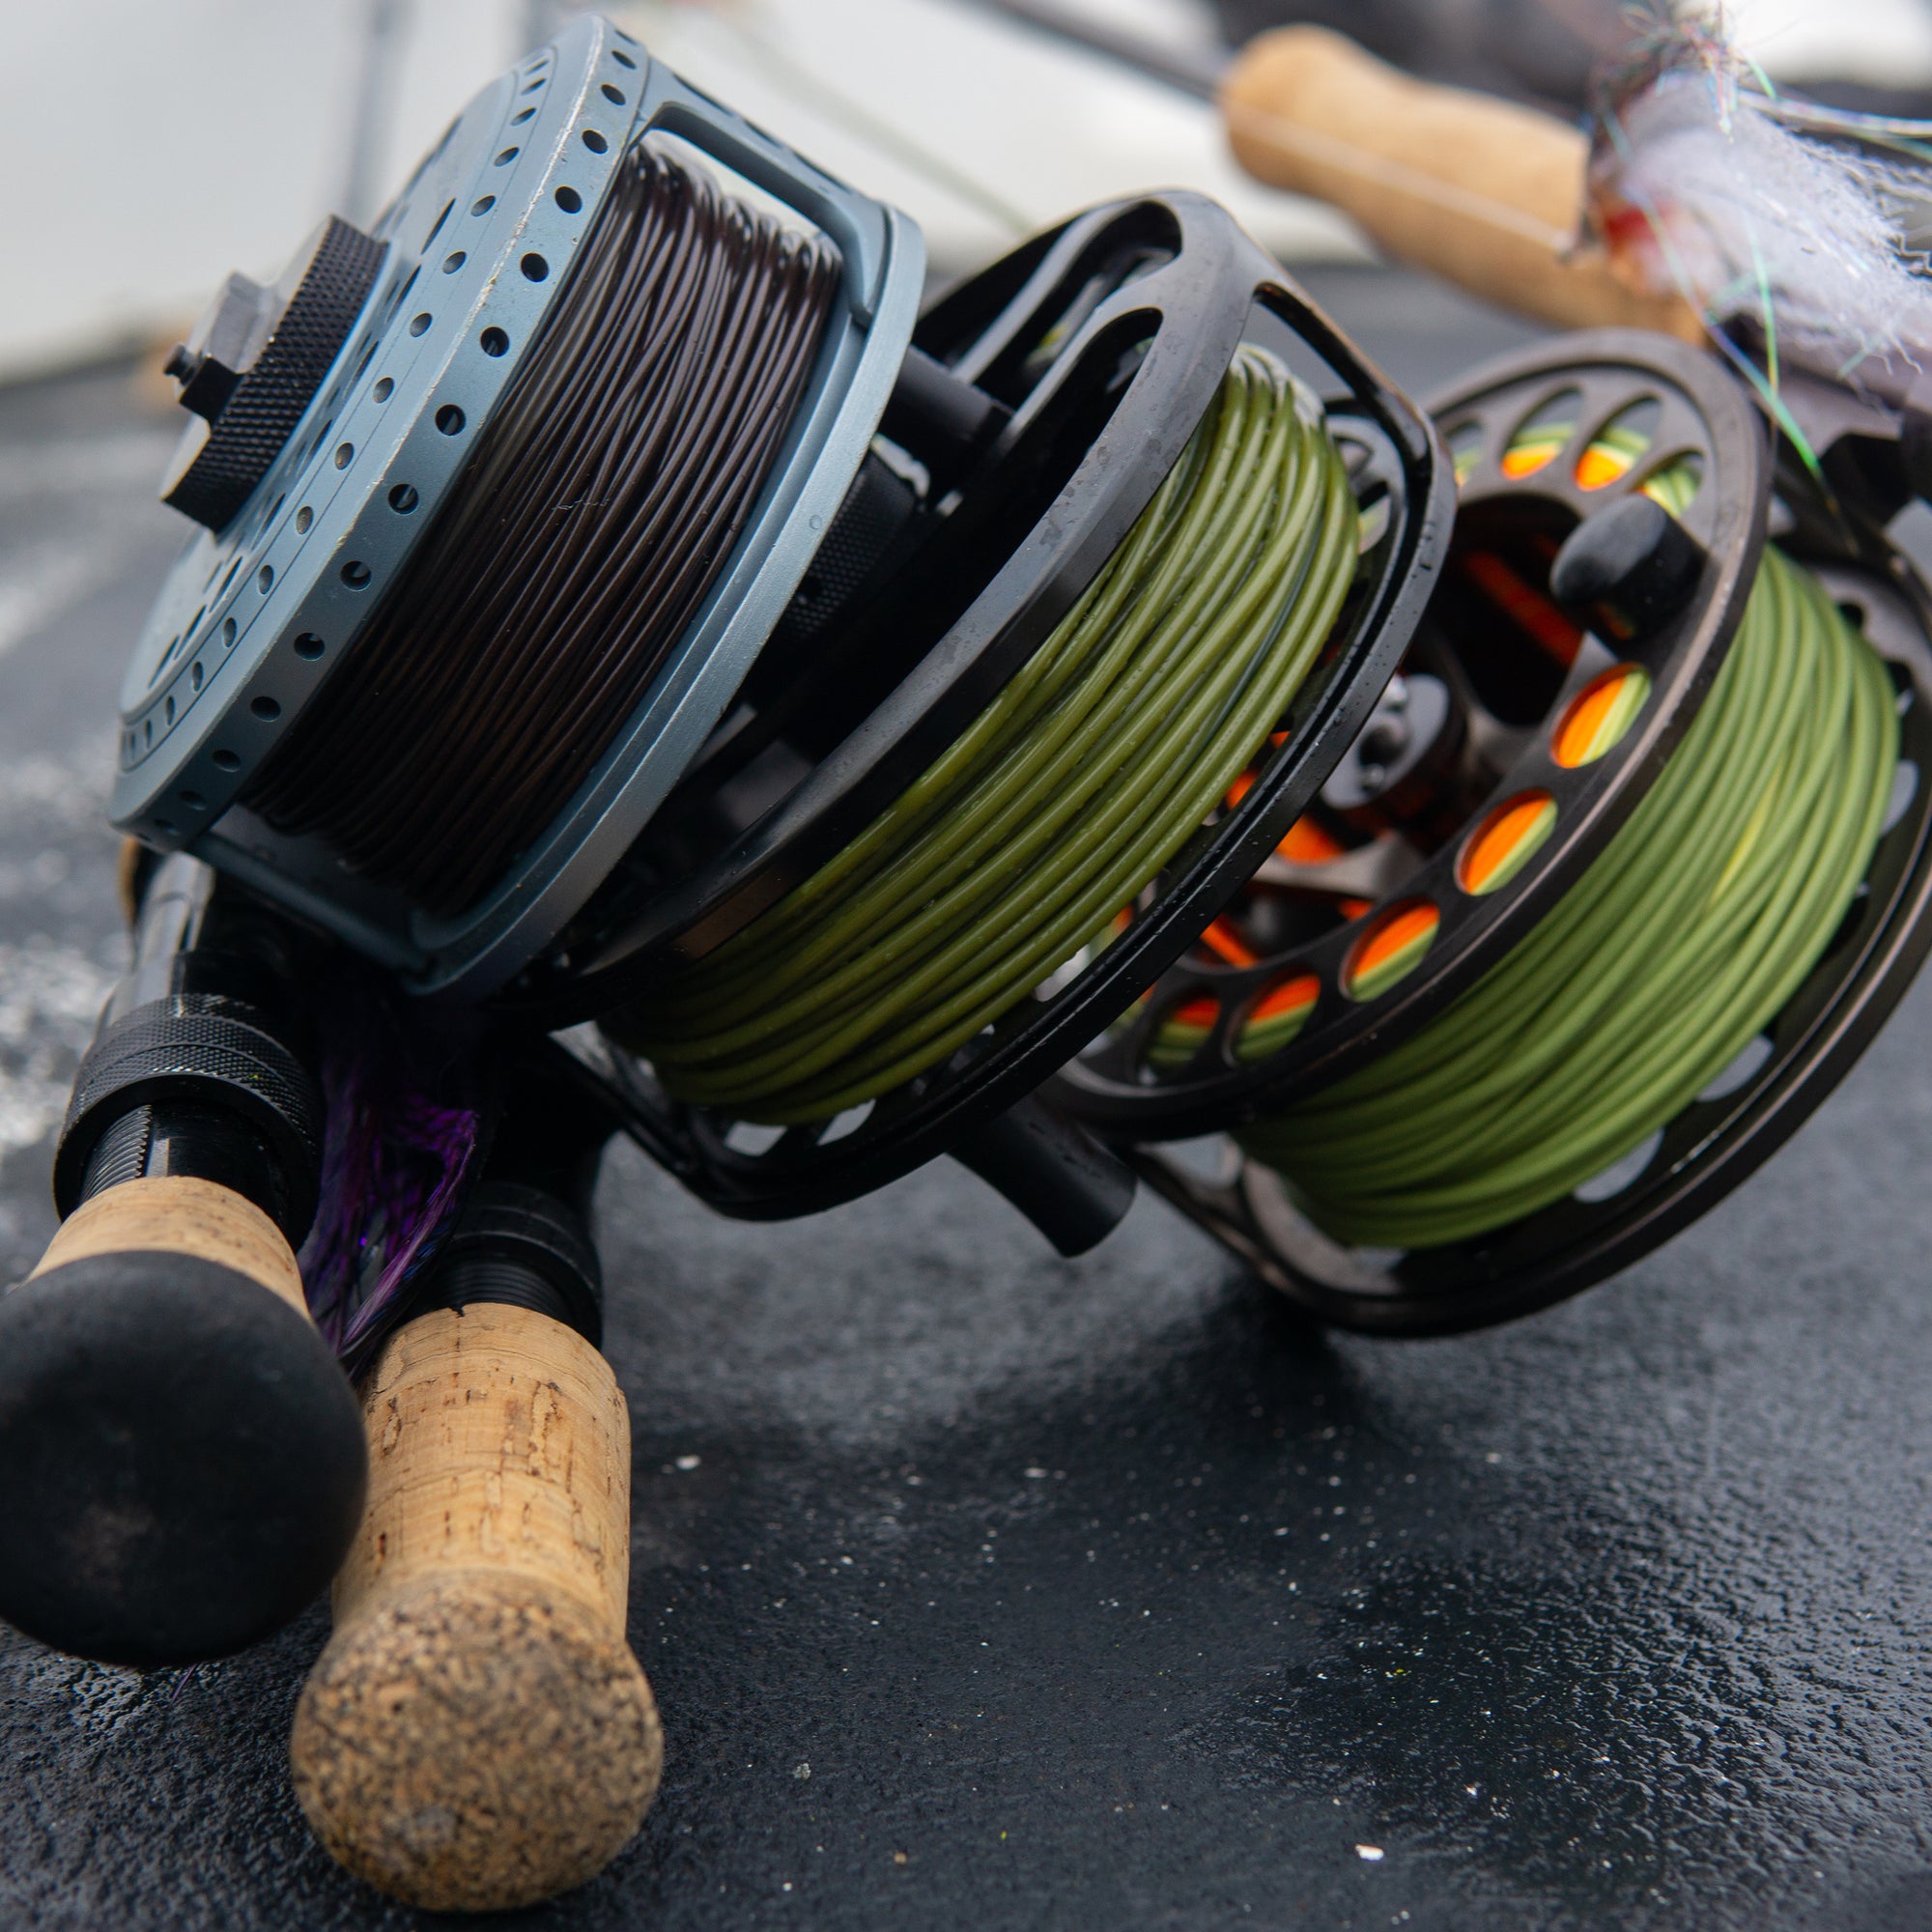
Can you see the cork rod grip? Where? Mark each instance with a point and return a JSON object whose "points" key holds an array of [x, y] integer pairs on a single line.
{"points": [[177, 1214], [1481, 191], [477, 1734]]}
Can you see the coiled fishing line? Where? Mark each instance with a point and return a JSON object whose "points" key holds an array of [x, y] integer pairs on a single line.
{"points": [[1686, 934], [1060, 801], [598, 509]]}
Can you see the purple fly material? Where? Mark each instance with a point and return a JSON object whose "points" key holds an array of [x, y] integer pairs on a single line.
{"points": [[395, 1160]]}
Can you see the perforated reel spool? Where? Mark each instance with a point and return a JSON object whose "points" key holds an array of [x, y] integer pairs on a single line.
{"points": [[1750, 1109], [1373, 916], [1098, 348], [261, 613]]}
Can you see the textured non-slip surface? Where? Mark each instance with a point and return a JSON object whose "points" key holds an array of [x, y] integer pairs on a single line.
{"points": [[983, 1588]]}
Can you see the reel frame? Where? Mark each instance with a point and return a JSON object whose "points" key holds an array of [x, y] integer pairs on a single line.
{"points": [[1724, 1135], [256, 617], [1187, 317]]}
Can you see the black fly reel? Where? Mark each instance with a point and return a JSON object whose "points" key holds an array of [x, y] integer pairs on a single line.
{"points": [[1444, 846], [1367, 922], [1043, 406]]}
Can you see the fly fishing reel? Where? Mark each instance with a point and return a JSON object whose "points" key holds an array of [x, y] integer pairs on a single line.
{"points": [[1543, 726], [577, 452], [569, 397], [1055, 423]]}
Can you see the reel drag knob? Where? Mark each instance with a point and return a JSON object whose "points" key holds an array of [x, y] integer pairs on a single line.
{"points": [[477, 1735], [181, 1464], [253, 364]]}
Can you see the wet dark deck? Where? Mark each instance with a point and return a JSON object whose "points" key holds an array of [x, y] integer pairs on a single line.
{"points": [[1001, 1591]]}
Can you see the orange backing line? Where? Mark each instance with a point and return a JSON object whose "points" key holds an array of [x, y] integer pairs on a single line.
{"points": [[1553, 632], [1404, 929], [1499, 838]]}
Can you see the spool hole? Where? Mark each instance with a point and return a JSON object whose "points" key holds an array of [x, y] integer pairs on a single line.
{"points": [[309, 645], [1184, 1029], [1904, 790], [1393, 947], [1622, 1172], [266, 709], [1742, 1068], [1595, 720], [848, 1123], [494, 342], [1274, 1020], [569, 200], [226, 762], [449, 419], [1504, 843], [1616, 448], [1676, 483], [1543, 435]]}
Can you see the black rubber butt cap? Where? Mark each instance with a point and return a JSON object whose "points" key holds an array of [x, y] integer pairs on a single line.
{"points": [[1628, 569], [182, 1461]]}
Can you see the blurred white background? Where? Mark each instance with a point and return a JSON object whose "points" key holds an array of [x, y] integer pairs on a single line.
{"points": [[145, 150]]}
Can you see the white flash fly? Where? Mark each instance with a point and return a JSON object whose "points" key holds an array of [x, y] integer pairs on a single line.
{"points": [[1777, 219]]}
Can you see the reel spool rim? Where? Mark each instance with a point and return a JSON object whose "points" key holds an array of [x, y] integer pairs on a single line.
{"points": [[905, 1128], [870, 323], [1117, 1092], [1834, 1019]]}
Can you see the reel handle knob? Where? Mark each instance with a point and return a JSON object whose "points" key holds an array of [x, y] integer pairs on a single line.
{"points": [[1074, 1190], [1627, 570], [477, 1735], [181, 1456], [1481, 192]]}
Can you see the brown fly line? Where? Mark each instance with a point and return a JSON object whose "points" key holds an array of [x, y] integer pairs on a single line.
{"points": [[603, 500]]}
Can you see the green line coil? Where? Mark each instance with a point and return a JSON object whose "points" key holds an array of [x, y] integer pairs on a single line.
{"points": [[1065, 797], [1682, 941]]}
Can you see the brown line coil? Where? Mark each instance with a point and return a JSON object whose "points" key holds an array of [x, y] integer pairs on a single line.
{"points": [[602, 499]]}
